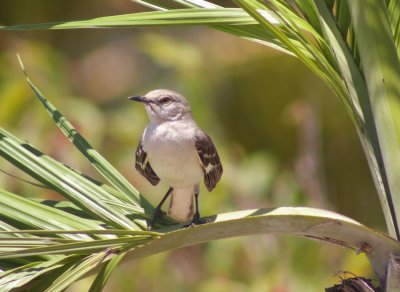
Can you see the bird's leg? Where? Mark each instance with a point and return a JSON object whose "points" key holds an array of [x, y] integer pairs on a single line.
{"points": [[196, 216], [157, 211]]}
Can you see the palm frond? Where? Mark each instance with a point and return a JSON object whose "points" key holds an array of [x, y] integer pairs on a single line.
{"points": [[28, 214], [63, 179], [381, 71], [26, 274]]}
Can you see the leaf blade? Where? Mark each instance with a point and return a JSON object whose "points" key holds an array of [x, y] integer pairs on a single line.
{"points": [[67, 182], [128, 193]]}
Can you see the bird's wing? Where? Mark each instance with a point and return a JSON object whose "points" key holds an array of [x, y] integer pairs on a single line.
{"points": [[143, 166], [209, 158]]}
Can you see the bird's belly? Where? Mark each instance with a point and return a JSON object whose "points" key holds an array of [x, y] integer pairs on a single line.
{"points": [[176, 163]]}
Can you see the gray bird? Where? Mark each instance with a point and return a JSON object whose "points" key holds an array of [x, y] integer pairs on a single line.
{"points": [[174, 149]]}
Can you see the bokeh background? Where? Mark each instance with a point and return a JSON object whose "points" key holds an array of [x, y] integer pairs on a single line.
{"points": [[284, 138]]}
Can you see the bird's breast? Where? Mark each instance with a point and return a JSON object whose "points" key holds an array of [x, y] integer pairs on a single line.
{"points": [[172, 154]]}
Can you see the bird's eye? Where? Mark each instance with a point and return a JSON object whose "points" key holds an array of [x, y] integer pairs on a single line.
{"points": [[165, 99]]}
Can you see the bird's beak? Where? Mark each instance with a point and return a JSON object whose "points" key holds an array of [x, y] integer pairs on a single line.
{"points": [[139, 99]]}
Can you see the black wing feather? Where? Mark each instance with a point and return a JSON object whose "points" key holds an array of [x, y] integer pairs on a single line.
{"points": [[209, 158], [143, 166]]}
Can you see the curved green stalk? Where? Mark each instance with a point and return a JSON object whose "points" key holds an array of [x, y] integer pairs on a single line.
{"points": [[311, 223], [315, 224]]}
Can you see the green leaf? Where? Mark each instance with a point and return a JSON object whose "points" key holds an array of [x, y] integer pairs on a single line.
{"points": [[105, 273], [72, 185], [231, 20], [73, 247], [359, 96], [74, 272], [23, 275], [82, 231], [381, 71], [174, 17], [393, 7], [30, 213], [127, 192], [343, 17]]}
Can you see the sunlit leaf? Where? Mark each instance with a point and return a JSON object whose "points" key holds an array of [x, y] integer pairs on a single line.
{"points": [[81, 191]]}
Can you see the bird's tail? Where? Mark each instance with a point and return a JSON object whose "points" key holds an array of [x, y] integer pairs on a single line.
{"points": [[181, 206]]}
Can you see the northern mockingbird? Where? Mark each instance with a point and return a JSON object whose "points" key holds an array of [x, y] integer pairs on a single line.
{"points": [[174, 149]]}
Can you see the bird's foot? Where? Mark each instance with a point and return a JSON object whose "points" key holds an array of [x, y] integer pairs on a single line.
{"points": [[196, 221], [158, 214]]}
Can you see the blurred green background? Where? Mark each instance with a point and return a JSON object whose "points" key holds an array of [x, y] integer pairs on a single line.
{"points": [[284, 138]]}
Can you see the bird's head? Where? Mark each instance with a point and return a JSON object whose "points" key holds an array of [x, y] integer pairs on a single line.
{"points": [[164, 105]]}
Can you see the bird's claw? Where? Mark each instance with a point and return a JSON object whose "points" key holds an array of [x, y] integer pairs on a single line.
{"points": [[196, 221]]}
